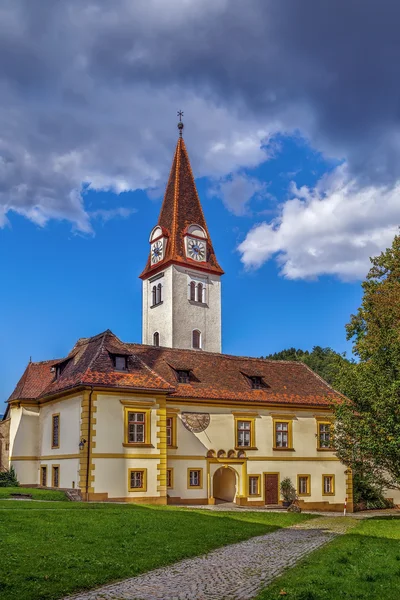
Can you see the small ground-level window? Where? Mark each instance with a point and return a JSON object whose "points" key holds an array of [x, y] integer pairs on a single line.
{"points": [[328, 485], [137, 480], [170, 478], [43, 475], [156, 339], [254, 485], [196, 339], [194, 478], [303, 485], [55, 476]]}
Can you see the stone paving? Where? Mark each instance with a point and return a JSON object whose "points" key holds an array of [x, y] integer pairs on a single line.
{"points": [[235, 572]]}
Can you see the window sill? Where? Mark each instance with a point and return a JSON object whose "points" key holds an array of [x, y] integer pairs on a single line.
{"points": [[330, 494], [325, 450], [55, 447], [172, 447], [284, 449], [245, 448], [204, 304], [254, 496], [137, 445], [158, 304], [137, 490], [303, 495], [195, 487]]}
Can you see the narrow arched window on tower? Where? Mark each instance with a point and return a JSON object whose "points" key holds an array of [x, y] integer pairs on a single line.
{"points": [[154, 295], [196, 339], [158, 295], [199, 292], [193, 291], [156, 339]]}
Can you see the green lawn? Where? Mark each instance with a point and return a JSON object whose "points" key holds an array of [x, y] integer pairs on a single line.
{"points": [[363, 564], [49, 550], [35, 493]]}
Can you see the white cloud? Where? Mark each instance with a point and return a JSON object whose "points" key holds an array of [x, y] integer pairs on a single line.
{"points": [[237, 190], [105, 214], [331, 230]]}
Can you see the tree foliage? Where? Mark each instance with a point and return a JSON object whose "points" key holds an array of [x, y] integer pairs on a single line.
{"points": [[367, 431], [323, 361]]}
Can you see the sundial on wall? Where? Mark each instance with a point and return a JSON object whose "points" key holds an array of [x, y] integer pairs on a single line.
{"points": [[196, 422]]}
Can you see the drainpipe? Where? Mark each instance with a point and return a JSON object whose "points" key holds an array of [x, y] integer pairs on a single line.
{"points": [[89, 445]]}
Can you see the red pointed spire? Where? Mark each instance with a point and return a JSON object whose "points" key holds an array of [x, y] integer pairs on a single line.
{"points": [[181, 208]]}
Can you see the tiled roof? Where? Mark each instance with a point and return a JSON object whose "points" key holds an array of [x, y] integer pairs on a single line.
{"points": [[212, 376], [181, 207], [90, 362]]}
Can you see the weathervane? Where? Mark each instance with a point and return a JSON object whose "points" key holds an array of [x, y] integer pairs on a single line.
{"points": [[180, 124]]}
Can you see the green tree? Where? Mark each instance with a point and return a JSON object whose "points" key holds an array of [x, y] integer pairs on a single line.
{"points": [[367, 431]]}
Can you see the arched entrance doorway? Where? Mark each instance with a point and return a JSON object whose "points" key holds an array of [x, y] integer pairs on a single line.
{"points": [[224, 484]]}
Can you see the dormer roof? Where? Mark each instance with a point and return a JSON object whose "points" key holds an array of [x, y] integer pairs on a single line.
{"points": [[181, 208]]}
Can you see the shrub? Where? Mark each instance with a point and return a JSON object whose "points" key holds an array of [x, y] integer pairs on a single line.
{"points": [[9, 478], [288, 490]]}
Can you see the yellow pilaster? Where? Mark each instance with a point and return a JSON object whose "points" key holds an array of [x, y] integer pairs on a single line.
{"points": [[162, 447], [87, 432]]}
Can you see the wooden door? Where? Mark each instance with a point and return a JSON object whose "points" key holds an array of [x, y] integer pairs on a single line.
{"points": [[271, 488]]}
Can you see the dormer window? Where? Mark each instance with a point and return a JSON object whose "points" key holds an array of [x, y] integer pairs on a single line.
{"points": [[120, 362], [256, 382], [60, 368], [183, 376]]}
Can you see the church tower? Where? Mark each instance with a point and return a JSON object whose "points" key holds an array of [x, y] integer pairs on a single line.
{"points": [[182, 278]]}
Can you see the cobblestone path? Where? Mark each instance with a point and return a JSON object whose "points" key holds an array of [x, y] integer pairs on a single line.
{"points": [[235, 572]]}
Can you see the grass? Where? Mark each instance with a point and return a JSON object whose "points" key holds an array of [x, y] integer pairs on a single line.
{"points": [[35, 493], [50, 550], [364, 563]]}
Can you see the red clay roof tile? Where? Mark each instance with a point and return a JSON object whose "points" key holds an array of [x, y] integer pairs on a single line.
{"points": [[215, 377]]}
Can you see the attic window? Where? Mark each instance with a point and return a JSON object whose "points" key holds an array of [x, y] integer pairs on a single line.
{"points": [[183, 376], [60, 368], [256, 382], [120, 362]]}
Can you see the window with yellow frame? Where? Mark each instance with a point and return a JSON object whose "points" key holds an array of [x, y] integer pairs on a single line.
{"points": [[195, 478], [55, 476], [170, 478], [137, 480], [43, 475], [55, 430], [254, 485], [137, 423], [171, 431], [303, 485], [328, 485], [324, 435], [283, 434], [245, 433]]}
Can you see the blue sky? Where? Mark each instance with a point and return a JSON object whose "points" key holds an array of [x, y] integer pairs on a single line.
{"points": [[292, 127], [61, 285]]}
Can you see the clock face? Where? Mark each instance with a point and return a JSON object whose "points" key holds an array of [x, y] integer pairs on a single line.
{"points": [[156, 252], [196, 249]]}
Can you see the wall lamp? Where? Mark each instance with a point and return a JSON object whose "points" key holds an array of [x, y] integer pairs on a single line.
{"points": [[82, 444]]}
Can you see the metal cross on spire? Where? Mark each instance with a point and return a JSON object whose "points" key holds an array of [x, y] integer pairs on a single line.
{"points": [[180, 124]]}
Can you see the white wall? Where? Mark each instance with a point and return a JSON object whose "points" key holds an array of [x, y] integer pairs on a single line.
{"points": [[158, 318], [70, 414], [176, 317], [188, 316]]}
